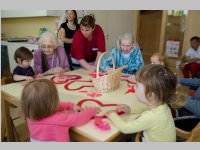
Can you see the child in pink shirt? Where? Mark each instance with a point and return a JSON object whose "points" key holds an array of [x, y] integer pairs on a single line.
{"points": [[49, 120]]}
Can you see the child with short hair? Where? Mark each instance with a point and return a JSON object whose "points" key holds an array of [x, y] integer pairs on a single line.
{"points": [[158, 58], [155, 87], [23, 57], [47, 118]]}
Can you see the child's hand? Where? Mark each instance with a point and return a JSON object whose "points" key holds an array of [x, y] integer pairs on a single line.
{"points": [[29, 78], [107, 113], [123, 107], [77, 108], [98, 110], [39, 75]]}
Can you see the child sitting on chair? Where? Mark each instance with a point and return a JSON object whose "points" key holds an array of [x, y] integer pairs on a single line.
{"points": [[23, 71], [47, 118], [157, 58], [126, 54], [155, 87]]}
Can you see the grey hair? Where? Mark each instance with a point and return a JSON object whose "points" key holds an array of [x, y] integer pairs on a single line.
{"points": [[126, 36], [50, 35]]}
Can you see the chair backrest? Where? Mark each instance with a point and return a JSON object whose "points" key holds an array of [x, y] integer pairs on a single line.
{"points": [[6, 80], [195, 134], [189, 136]]}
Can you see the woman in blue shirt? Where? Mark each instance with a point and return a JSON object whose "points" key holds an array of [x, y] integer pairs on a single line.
{"points": [[127, 53]]}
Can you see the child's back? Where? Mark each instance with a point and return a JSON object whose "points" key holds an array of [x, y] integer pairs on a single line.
{"points": [[49, 120], [56, 127]]}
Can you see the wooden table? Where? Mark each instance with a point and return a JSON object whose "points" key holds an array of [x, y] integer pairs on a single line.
{"points": [[11, 93]]}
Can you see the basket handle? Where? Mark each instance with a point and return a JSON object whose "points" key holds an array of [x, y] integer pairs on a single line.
{"points": [[99, 60]]}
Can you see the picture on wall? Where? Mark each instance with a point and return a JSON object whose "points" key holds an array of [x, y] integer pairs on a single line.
{"points": [[172, 48]]}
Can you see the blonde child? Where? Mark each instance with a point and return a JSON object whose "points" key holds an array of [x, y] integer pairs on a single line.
{"points": [[23, 71], [158, 58], [155, 87], [47, 118]]}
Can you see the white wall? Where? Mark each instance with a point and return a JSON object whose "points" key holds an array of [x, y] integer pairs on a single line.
{"points": [[114, 23]]}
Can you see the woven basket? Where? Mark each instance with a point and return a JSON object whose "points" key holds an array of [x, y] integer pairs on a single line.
{"points": [[110, 81]]}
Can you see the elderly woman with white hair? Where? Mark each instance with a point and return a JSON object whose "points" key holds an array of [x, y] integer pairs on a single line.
{"points": [[127, 54], [50, 58]]}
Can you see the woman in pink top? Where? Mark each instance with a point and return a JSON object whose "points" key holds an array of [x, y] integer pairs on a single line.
{"points": [[49, 120], [50, 58]]}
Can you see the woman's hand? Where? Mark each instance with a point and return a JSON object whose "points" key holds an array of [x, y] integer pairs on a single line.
{"points": [[58, 70], [109, 69], [92, 69]]}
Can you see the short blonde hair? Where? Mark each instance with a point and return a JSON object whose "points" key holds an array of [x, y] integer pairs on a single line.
{"points": [[126, 36], [39, 99], [50, 35]]}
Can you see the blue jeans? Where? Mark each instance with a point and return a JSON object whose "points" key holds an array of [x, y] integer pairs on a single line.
{"points": [[193, 102]]}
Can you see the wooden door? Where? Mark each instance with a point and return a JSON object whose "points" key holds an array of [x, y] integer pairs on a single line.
{"points": [[149, 30]]}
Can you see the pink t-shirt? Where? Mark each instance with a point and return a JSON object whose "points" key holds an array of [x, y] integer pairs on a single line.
{"points": [[56, 127]]}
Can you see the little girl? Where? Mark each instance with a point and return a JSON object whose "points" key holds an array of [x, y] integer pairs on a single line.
{"points": [[157, 58], [23, 71], [126, 54], [49, 120], [155, 87], [50, 58]]}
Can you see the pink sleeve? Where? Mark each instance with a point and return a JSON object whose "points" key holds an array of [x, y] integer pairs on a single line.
{"points": [[65, 106], [76, 118], [101, 40]]}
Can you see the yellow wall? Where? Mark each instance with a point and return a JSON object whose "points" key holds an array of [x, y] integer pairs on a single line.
{"points": [[192, 28], [22, 27]]}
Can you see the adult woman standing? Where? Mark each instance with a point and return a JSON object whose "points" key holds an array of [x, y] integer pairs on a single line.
{"points": [[67, 31], [88, 43]]}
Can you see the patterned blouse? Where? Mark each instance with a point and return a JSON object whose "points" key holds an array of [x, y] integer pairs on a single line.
{"points": [[133, 62]]}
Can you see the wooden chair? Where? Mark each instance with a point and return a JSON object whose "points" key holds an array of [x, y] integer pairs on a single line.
{"points": [[14, 128], [4, 80], [185, 136], [189, 136], [138, 137]]}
